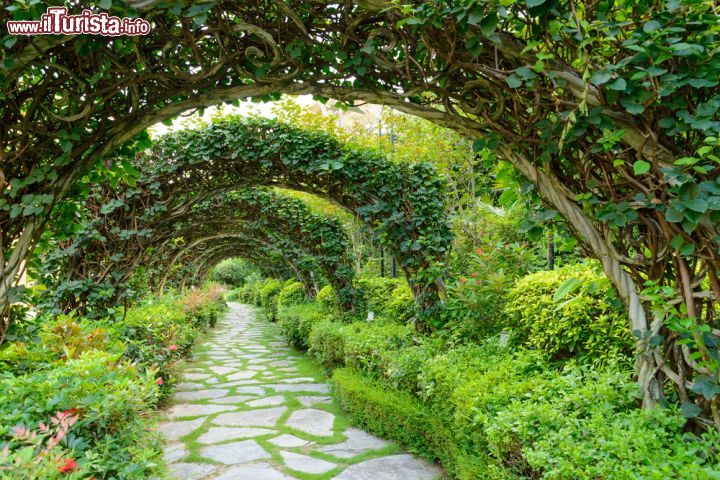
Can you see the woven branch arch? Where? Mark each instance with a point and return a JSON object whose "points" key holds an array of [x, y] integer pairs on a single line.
{"points": [[402, 204], [117, 242], [269, 260]]}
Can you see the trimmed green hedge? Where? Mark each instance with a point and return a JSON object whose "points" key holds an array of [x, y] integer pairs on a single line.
{"points": [[296, 322], [497, 411], [268, 297], [489, 411], [385, 411]]}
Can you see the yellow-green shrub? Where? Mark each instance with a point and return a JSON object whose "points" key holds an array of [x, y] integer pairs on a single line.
{"points": [[327, 300], [588, 322], [268, 296], [292, 293]]}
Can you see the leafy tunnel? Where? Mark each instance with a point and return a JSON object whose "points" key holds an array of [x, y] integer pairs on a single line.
{"points": [[202, 194]]}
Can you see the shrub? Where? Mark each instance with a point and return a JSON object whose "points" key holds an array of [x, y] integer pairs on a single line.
{"points": [[385, 411], [110, 398], [585, 425], [474, 309], [204, 305], [498, 412], [385, 296], [476, 296], [327, 300], [589, 323], [106, 375], [296, 322], [268, 296], [371, 346], [292, 293], [327, 343], [403, 368]]}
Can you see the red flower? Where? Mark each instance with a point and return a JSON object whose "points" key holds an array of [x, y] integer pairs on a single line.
{"points": [[480, 251], [463, 279], [159, 381], [68, 466], [172, 348], [72, 411]]}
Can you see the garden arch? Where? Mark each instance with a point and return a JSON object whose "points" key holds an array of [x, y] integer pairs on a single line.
{"points": [[497, 71], [194, 182], [269, 260], [402, 204], [271, 221]]}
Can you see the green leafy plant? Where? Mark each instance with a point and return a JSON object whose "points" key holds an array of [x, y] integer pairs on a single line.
{"points": [[570, 312]]}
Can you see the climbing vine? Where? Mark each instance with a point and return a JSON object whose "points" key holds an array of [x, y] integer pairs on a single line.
{"points": [[403, 205], [609, 108]]}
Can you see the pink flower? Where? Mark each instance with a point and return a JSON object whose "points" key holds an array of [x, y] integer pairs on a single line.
{"points": [[172, 348], [68, 466], [159, 381]]}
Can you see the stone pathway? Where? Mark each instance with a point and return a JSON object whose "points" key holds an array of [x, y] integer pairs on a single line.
{"points": [[252, 408]]}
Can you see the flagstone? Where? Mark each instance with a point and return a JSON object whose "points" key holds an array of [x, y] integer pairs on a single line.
{"points": [[200, 394], [233, 399], [190, 471], [266, 417], [289, 441], [300, 387], [175, 430], [306, 464], [357, 442], [193, 410], [237, 452], [394, 467], [312, 421], [255, 471], [308, 400], [267, 401], [222, 434]]}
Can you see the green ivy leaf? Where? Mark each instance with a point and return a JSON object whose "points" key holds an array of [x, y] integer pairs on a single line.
{"points": [[690, 410], [697, 205], [618, 84], [705, 386], [641, 167], [513, 81], [566, 288], [674, 215]]}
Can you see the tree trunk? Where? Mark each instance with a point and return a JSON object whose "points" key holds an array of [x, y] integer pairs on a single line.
{"points": [[553, 191]]}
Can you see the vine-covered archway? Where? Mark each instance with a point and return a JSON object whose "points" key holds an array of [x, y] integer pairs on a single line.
{"points": [[194, 184], [104, 256], [620, 145], [402, 204]]}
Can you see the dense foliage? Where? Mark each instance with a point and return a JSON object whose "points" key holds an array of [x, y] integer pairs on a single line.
{"points": [[502, 410], [610, 110], [231, 272], [570, 312], [78, 393]]}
